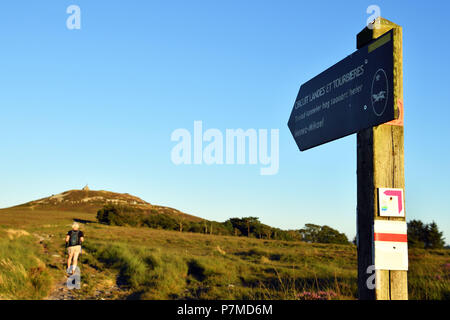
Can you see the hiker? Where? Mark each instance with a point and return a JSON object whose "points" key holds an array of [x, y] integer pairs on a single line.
{"points": [[74, 239]]}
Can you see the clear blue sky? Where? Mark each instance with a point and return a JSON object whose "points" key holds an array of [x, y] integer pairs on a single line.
{"points": [[98, 105]]}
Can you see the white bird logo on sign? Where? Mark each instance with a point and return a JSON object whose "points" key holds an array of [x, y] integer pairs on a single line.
{"points": [[379, 96]]}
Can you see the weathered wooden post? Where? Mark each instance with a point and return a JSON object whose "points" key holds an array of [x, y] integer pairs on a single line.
{"points": [[380, 164]]}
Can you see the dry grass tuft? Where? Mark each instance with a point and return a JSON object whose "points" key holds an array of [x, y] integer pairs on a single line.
{"points": [[13, 234]]}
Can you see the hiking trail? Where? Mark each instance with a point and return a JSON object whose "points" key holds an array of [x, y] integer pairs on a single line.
{"points": [[95, 284]]}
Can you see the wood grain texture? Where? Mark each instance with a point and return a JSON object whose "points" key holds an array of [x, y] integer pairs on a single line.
{"points": [[380, 164]]}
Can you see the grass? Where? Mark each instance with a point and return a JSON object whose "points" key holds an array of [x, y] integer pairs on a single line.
{"points": [[429, 276], [157, 264], [23, 273]]}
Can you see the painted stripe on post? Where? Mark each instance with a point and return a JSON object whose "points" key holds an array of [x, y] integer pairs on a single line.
{"points": [[379, 43], [395, 237]]}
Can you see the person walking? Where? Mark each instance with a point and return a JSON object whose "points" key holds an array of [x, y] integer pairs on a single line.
{"points": [[74, 240]]}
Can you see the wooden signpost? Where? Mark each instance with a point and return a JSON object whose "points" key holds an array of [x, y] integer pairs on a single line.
{"points": [[380, 164], [363, 94]]}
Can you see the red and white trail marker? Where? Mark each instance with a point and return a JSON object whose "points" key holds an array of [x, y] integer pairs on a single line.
{"points": [[391, 202], [391, 245]]}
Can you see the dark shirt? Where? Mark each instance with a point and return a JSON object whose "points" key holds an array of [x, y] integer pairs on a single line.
{"points": [[80, 234]]}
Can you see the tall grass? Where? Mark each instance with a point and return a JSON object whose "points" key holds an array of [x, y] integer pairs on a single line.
{"points": [[165, 273], [429, 274], [159, 264], [148, 272], [170, 265], [22, 274]]}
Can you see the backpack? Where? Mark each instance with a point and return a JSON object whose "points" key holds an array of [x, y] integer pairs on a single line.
{"points": [[74, 238]]}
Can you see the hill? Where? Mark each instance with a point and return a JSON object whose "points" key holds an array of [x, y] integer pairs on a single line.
{"points": [[91, 201], [125, 262], [144, 263]]}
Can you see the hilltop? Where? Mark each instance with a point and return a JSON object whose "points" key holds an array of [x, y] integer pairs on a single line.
{"points": [[123, 209], [90, 201]]}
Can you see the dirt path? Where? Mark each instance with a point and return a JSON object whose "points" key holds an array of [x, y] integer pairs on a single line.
{"points": [[95, 284], [101, 292], [61, 291]]}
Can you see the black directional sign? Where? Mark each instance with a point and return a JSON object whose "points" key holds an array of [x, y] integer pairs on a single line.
{"points": [[354, 94]]}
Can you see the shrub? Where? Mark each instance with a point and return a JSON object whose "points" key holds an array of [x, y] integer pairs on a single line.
{"points": [[425, 236], [322, 234], [161, 221], [120, 215]]}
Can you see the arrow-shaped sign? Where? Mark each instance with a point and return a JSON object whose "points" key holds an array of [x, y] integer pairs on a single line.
{"points": [[354, 94], [388, 207], [399, 195]]}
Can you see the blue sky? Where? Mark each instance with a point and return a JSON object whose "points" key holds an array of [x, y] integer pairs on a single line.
{"points": [[98, 105]]}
